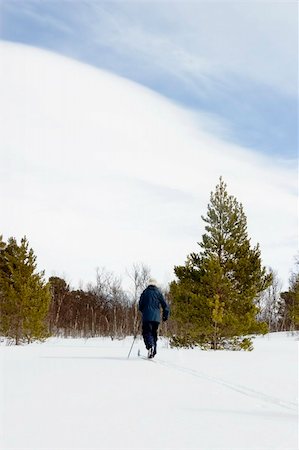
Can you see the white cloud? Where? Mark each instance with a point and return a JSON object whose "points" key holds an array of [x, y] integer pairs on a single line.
{"points": [[99, 171]]}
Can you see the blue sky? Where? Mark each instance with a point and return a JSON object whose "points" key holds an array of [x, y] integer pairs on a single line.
{"points": [[234, 61]]}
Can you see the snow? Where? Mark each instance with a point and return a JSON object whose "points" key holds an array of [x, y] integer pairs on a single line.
{"points": [[86, 394]]}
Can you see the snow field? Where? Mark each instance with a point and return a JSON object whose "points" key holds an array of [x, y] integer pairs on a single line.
{"points": [[86, 394]]}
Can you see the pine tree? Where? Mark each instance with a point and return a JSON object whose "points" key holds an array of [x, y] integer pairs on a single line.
{"points": [[213, 300], [24, 296], [289, 304]]}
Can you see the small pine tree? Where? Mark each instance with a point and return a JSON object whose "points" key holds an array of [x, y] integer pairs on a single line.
{"points": [[24, 296], [213, 300], [289, 304]]}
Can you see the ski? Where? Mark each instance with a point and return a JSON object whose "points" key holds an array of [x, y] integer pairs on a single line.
{"points": [[144, 357]]}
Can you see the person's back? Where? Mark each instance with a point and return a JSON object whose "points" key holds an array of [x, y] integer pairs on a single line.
{"points": [[150, 304]]}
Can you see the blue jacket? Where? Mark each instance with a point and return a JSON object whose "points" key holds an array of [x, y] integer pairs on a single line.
{"points": [[150, 302]]}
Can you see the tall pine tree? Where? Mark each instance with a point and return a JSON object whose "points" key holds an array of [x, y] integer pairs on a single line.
{"points": [[24, 295], [213, 298]]}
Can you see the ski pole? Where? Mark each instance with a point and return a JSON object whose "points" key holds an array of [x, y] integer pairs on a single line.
{"points": [[131, 346], [135, 335]]}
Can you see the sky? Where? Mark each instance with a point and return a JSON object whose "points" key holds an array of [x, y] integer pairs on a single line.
{"points": [[235, 60], [180, 93]]}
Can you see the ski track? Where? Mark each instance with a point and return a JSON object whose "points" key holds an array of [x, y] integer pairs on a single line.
{"points": [[292, 406]]}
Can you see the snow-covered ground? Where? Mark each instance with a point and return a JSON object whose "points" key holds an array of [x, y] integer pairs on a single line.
{"points": [[86, 394]]}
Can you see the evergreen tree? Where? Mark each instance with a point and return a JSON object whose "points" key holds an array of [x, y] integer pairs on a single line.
{"points": [[289, 305], [213, 300], [24, 296]]}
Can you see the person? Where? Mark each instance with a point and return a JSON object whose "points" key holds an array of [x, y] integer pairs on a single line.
{"points": [[150, 304]]}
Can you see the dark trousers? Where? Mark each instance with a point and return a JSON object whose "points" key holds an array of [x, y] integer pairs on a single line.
{"points": [[150, 334]]}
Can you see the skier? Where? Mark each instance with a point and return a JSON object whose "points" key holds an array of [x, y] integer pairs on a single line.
{"points": [[150, 302]]}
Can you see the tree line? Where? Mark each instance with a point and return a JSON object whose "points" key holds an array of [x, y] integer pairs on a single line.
{"points": [[219, 298], [102, 309]]}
